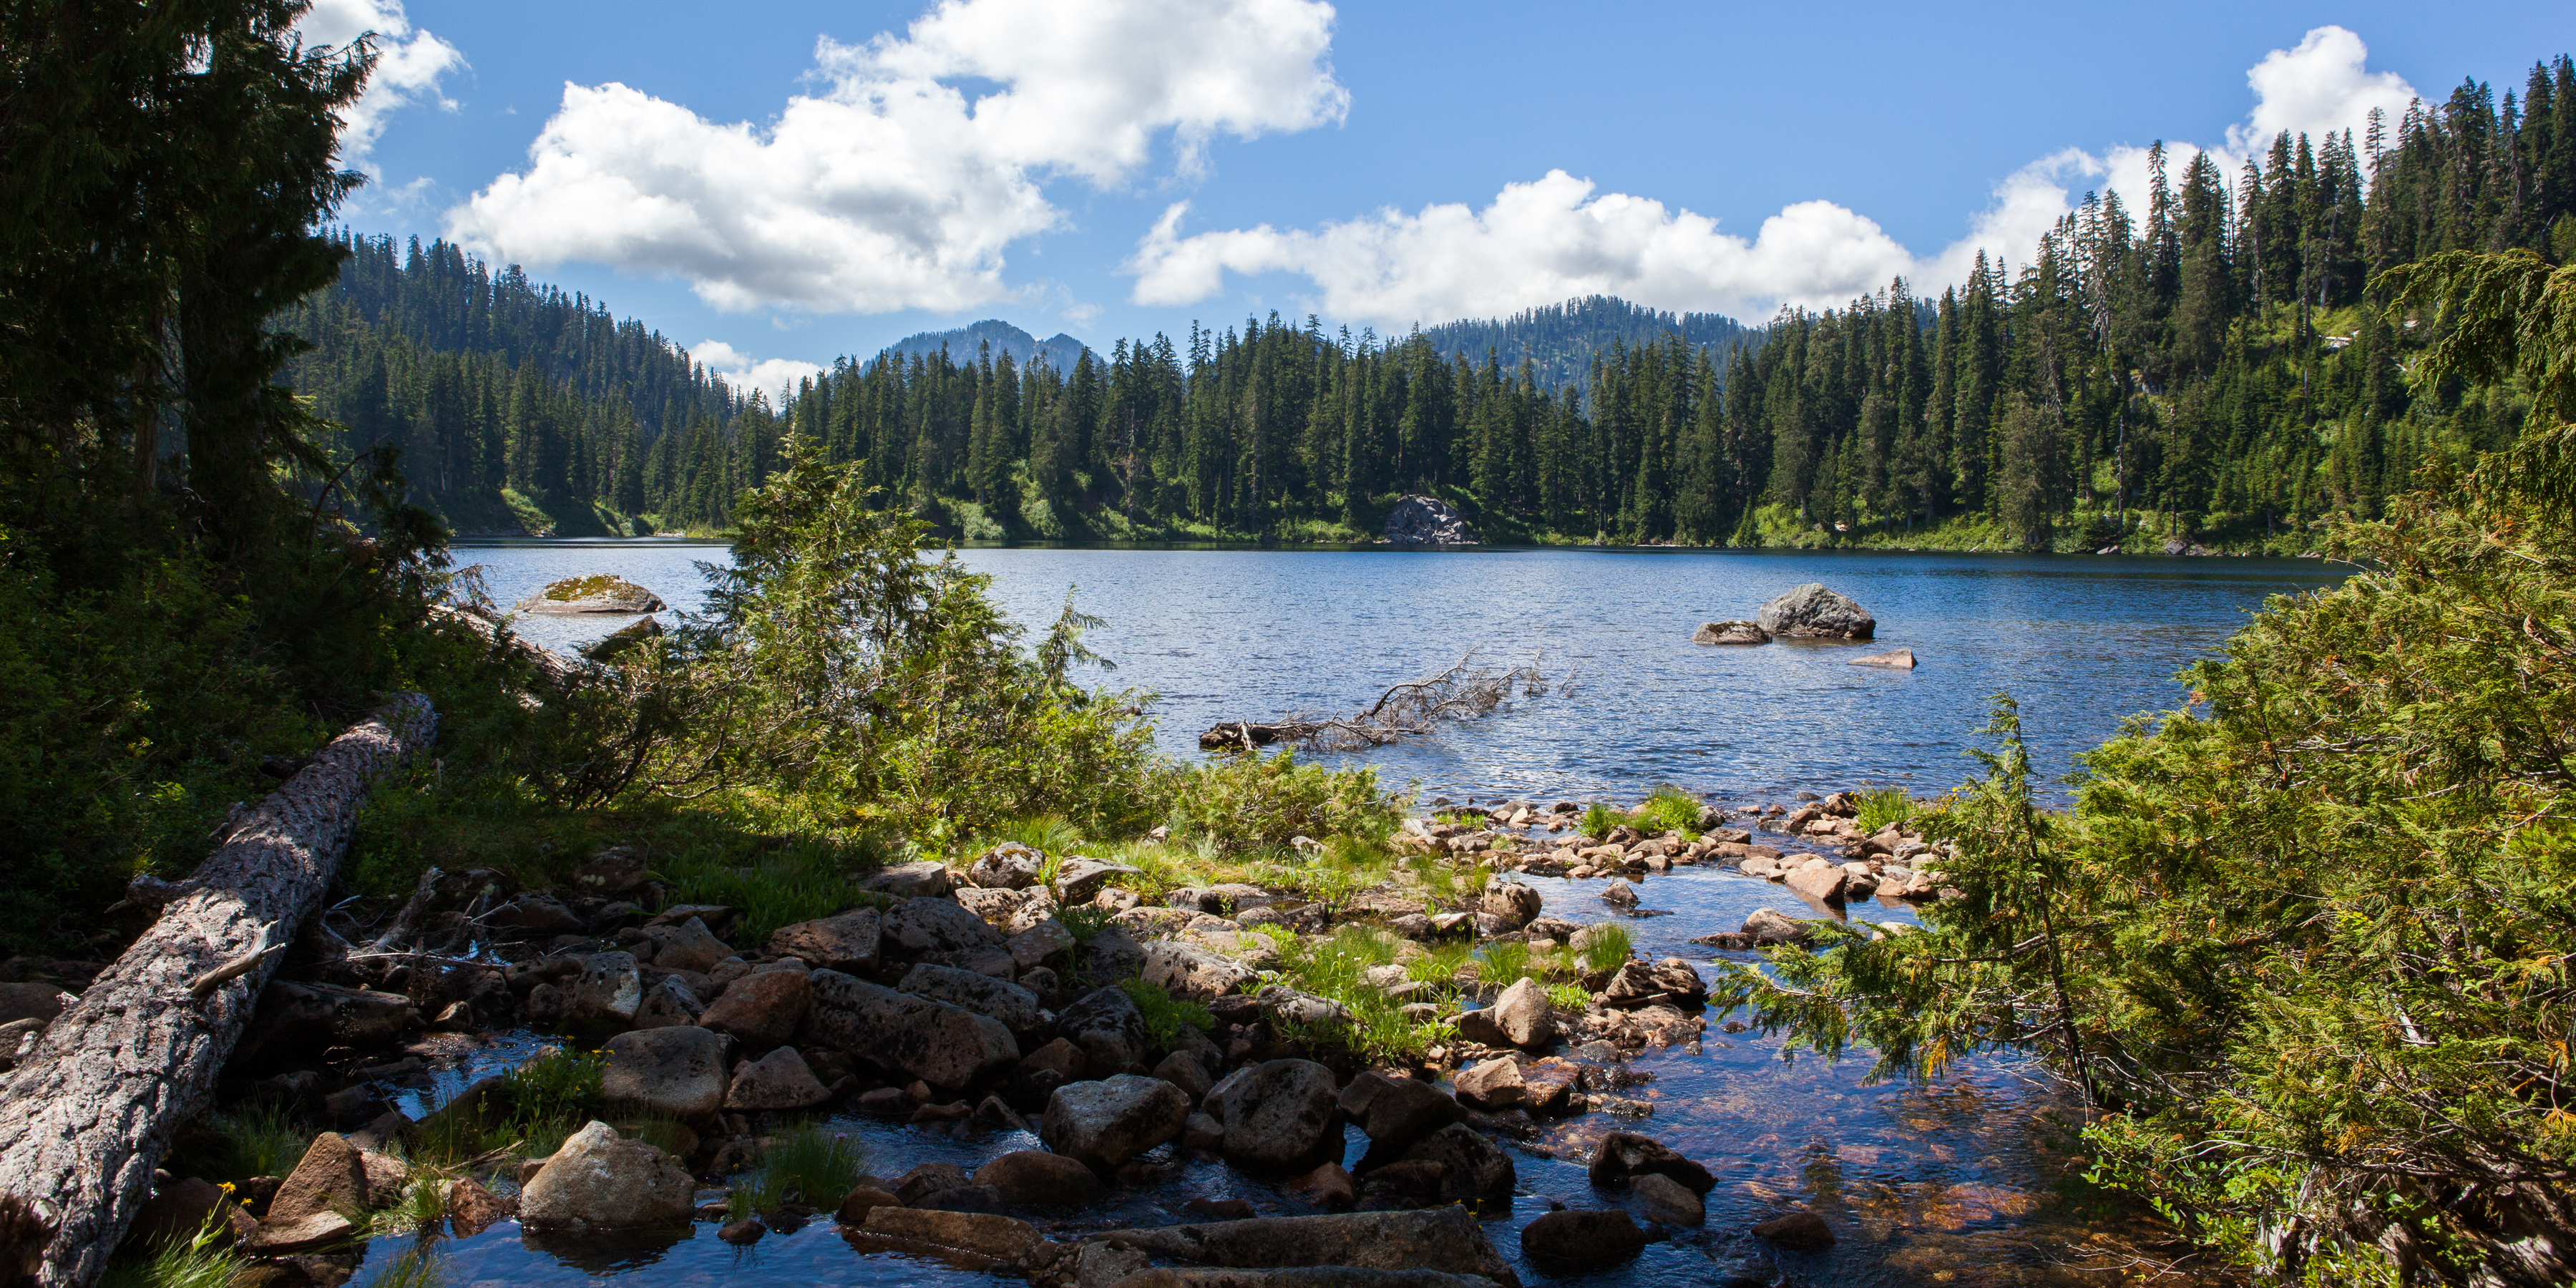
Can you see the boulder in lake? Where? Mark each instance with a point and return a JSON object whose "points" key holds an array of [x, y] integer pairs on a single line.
{"points": [[597, 593], [1730, 633], [1428, 521], [1811, 612]]}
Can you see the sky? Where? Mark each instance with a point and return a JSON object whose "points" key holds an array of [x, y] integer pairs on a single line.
{"points": [[775, 185]]}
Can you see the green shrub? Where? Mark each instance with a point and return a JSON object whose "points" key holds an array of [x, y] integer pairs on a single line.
{"points": [[1166, 1015], [1568, 997], [1881, 810], [1667, 809], [1248, 803], [1606, 946], [1599, 819]]}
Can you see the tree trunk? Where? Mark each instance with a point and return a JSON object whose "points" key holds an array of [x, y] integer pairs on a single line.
{"points": [[86, 1119]]}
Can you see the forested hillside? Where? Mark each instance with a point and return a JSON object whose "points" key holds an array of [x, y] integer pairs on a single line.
{"points": [[2209, 369]]}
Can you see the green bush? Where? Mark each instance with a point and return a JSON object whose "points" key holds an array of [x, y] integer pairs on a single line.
{"points": [[1606, 946], [1250, 803], [807, 1164], [1881, 810], [1667, 809], [1166, 1015]]}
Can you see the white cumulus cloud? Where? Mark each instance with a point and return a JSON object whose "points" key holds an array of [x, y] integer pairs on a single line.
{"points": [[776, 377], [1542, 241], [409, 63], [894, 187]]}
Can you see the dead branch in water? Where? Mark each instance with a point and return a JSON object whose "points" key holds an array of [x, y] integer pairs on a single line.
{"points": [[1464, 691]]}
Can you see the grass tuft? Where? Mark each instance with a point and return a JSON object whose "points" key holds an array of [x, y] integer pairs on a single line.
{"points": [[1882, 809], [1606, 946], [804, 1164], [260, 1139], [1166, 1015]]}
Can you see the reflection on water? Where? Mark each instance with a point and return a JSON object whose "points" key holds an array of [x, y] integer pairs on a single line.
{"points": [[1965, 1182]]}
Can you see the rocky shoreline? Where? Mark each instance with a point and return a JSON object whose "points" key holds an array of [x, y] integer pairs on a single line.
{"points": [[966, 1002]]}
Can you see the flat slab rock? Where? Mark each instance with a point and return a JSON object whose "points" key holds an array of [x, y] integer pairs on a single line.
{"points": [[1444, 1236], [598, 593]]}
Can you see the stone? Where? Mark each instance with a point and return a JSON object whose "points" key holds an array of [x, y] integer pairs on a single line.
{"points": [[600, 1180], [1219, 1209], [297, 1020], [1623, 1155], [1769, 927], [999, 909], [927, 879], [1550, 1084], [1186, 970], [1901, 659], [596, 593], [1448, 1237], [1395, 1112], [276, 1238], [1285, 1005], [1799, 1231], [1202, 1134], [667, 1002], [1078, 879], [331, 1176], [847, 942], [920, 927], [1040, 1179], [1730, 633], [982, 1233], [1328, 1186], [1284, 1114], [538, 913], [616, 870], [472, 1209], [1670, 1201], [1039, 943], [741, 1233], [1108, 1029], [1418, 520], [1819, 879], [1108, 1122], [1578, 1240], [1008, 866], [1493, 1084], [1300, 1277], [678, 1072], [40, 1002], [610, 988], [1515, 903], [1524, 1015], [688, 946], [777, 1081], [854, 1206], [1014, 1006], [1183, 1070], [762, 1010], [1813, 612], [1670, 981], [1472, 1167], [1109, 956], [943, 1045]]}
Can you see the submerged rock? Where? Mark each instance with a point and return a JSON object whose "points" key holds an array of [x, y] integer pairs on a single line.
{"points": [[1446, 1236], [1901, 659], [1572, 1240], [1730, 633], [597, 593]]}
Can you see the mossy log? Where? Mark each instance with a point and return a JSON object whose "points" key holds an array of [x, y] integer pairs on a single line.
{"points": [[86, 1118]]}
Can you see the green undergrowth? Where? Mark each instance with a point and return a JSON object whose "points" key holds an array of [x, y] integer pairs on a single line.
{"points": [[1166, 1015], [804, 1164], [1883, 809], [201, 1261]]}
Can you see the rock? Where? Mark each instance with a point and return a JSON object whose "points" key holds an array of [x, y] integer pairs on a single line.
{"points": [[1769, 927], [597, 593], [1813, 612], [1819, 879], [1472, 1167], [1285, 1005], [1186, 970], [538, 913], [1524, 1015], [332, 1176], [1670, 981], [600, 1180], [1105, 1123], [296, 1020], [1448, 1237], [963, 1198], [472, 1209], [1078, 879], [1418, 520], [920, 927], [276, 1238], [1040, 1179], [1000, 909], [1109, 956], [763, 1010], [779, 1080], [1799, 1231], [1670, 1201], [1008, 866], [1494, 1084], [927, 879], [854, 1206], [678, 1072], [689, 946], [985, 1235], [943, 1045], [742, 1233], [1039, 943], [1578, 1240], [1201, 1134], [610, 988], [1300, 1277], [1014, 1006], [1284, 1114], [1901, 659], [1395, 1112], [1620, 894], [40, 1002], [847, 942], [1515, 903], [666, 1003], [1108, 1028], [1327, 1186], [1623, 1155], [1550, 1084], [1183, 1070], [1730, 633], [614, 871]]}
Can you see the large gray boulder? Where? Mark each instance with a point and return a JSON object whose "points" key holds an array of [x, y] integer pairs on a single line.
{"points": [[1811, 612], [1077, 879], [846, 942], [921, 927], [1395, 1112], [1108, 1029], [1187, 970], [689, 946], [602, 1181], [777, 1081], [1008, 866], [1428, 521], [678, 1071], [1107, 1122], [1573, 1239], [597, 593], [927, 879], [762, 1010], [1471, 1167], [1517, 904], [1282, 1115], [943, 1045], [1014, 1006], [1524, 1015]]}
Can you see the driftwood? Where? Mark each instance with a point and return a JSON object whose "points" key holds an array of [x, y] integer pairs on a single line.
{"points": [[1462, 692], [90, 1113]]}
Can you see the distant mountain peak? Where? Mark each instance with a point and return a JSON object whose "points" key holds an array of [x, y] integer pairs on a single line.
{"points": [[965, 343]]}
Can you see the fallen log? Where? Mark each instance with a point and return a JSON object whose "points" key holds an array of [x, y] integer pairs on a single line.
{"points": [[89, 1114]]}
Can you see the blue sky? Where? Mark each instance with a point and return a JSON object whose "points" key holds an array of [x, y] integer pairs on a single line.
{"points": [[785, 183]]}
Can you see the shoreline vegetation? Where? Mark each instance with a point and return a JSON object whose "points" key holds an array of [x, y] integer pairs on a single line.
{"points": [[2302, 950]]}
